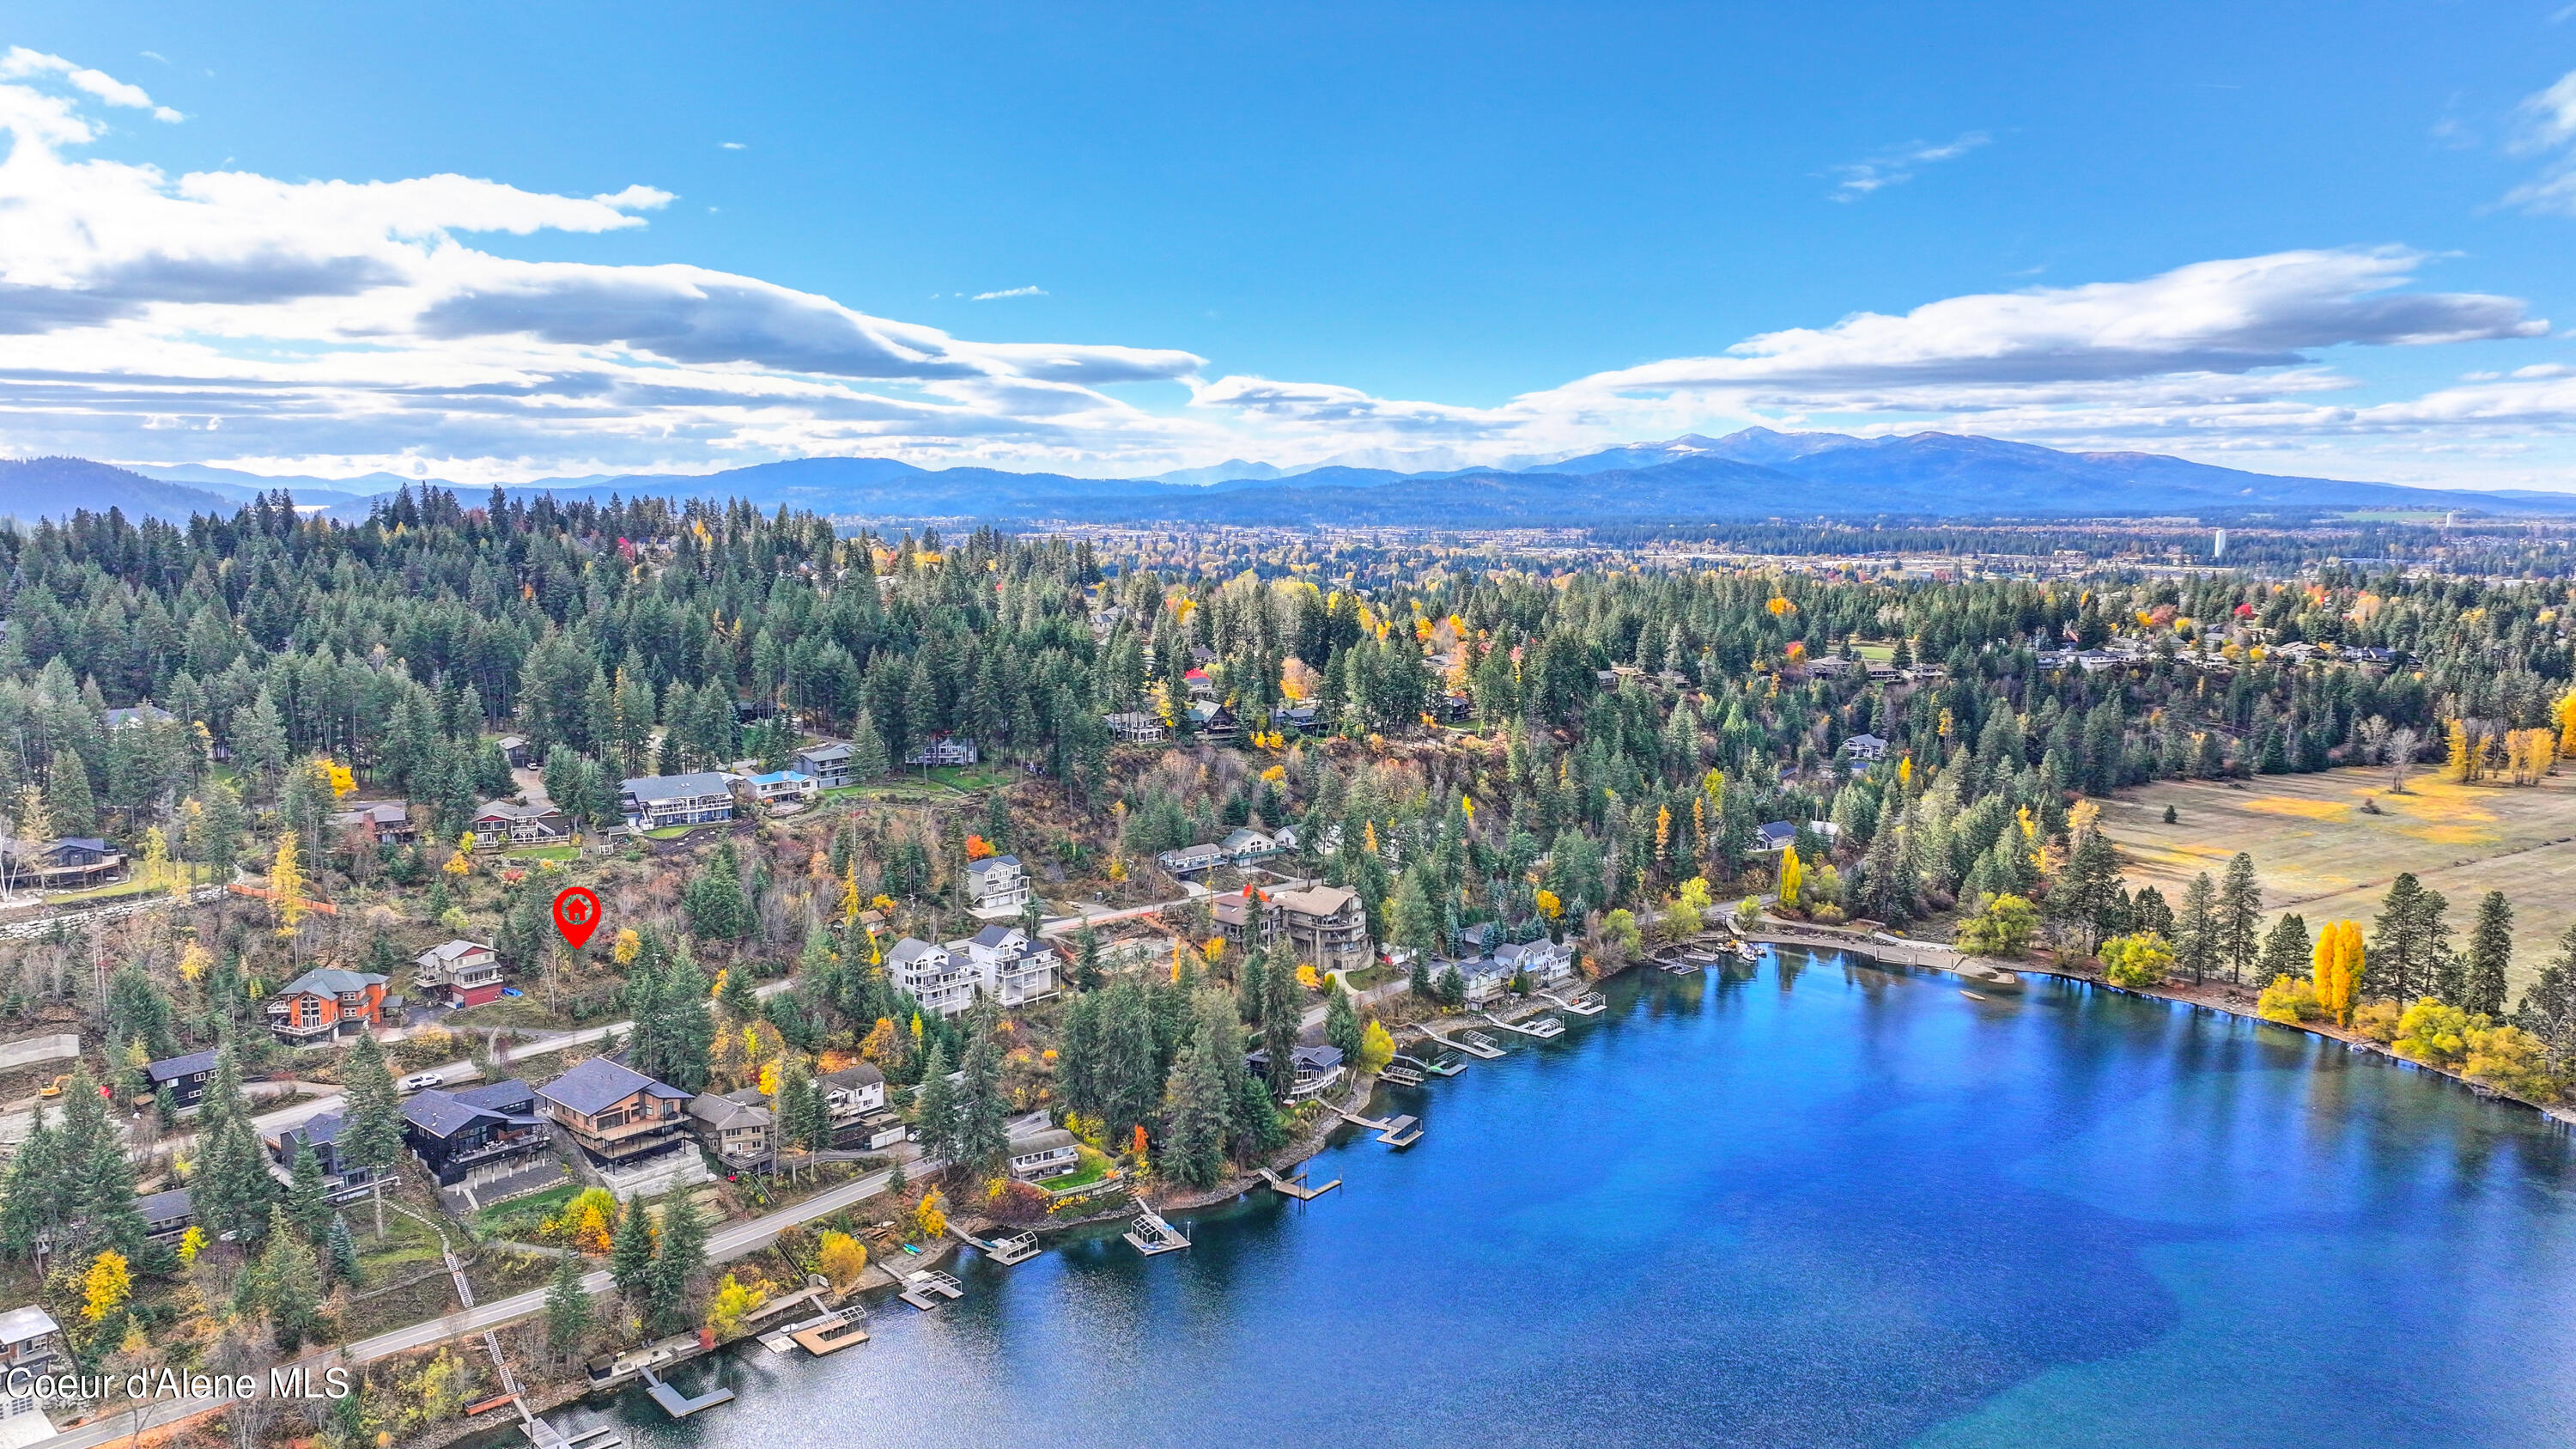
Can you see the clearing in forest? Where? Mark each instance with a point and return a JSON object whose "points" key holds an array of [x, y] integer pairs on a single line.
{"points": [[2319, 853]]}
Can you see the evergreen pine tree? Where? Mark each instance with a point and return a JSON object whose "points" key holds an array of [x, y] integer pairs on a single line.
{"points": [[1130, 1085], [678, 1258], [1194, 1139], [2196, 929], [343, 1249], [630, 1255], [371, 1136], [307, 1204], [934, 1107], [31, 1193], [1282, 1013], [2240, 915], [2490, 950], [1341, 1023], [97, 1180], [70, 806], [290, 1280], [568, 1311], [2287, 951], [983, 1132]]}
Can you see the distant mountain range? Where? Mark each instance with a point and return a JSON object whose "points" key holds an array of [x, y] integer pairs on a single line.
{"points": [[1756, 473]]}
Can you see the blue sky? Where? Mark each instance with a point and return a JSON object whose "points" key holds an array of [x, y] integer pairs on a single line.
{"points": [[1384, 233]]}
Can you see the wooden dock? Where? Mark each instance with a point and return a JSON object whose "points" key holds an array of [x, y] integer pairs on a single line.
{"points": [[1015, 1249], [830, 1333], [1402, 1070], [1542, 1027], [922, 1288], [1296, 1186], [679, 1405], [1150, 1235], [1473, 1043], [1582, 1003], [1393, 1131]]}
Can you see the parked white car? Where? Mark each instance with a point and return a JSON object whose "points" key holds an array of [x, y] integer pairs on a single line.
{"points": [[423, 1081]]}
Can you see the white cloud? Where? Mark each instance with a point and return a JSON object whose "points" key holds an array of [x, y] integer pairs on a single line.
{"points": [[20, 62], [2546, 122], [731, 146], [1897, 166], [331, 326]]}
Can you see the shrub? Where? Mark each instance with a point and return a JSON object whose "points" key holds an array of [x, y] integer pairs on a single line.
{"points": [[2289, 999], [2377, 1021], [2003, 926], [2435, 1033], [2512, 1060], [2136, 960]]}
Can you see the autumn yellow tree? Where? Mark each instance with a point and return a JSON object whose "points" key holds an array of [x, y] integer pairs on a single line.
{"points": [[2337, 968], [733, 1301], [931, 1217], [1793, 873], [2566, 715], [841, 1258], [1377, 1047], [286, 886], [106, 1286]]}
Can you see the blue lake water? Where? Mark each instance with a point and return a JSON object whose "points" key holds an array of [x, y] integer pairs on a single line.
{"points": [[1818, 1203]]}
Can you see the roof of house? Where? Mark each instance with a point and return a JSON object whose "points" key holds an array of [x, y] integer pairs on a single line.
{"points": [[18, 1325], [330, 981], [991, 937], [1316, 1058], [991, 862], [166, 1207], [171, 1069], [1244, 837], [782, 777], [1316, 900], [675, 787], [147, 710], [1865, 742], [729, 1109], [864, 1074], [325, 1127], [449, 1112], [452, 950], [599, 1083], [819, 753], [507, 1095], [908, 950], [513, 810], [1050, 1139]]}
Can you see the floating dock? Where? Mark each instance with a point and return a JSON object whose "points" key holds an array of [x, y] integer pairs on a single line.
{"points": [[1543, 1027], [1017, 1248], [1402, 1070], [679, 1405], [1393, 1131], [1150, 1235], [831, 1333], [1582, 1003], [1296, 1186], [1473, 1043], [923, 1288]]}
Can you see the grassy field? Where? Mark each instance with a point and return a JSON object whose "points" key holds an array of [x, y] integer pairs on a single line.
{"points": [[2320, 854]]}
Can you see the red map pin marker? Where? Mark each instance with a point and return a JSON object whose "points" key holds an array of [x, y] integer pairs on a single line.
{"points": [[577, 914]]}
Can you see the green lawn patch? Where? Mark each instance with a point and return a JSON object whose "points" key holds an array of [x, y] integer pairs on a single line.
{"points": [[547, 852], [108, 892], [669, 832], [1095, 1166], [519, 1217]]}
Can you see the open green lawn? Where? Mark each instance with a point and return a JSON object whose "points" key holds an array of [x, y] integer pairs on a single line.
{"points": [[671, 832], [94, 894], [519, 1217], [2320, 854], [547, 852], [1095, 1166]]}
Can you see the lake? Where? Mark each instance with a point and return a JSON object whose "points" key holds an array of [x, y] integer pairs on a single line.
{"points": [[1816, 1202]]}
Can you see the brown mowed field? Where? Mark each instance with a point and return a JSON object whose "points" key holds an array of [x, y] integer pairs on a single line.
{"points": [[2320, 854]]}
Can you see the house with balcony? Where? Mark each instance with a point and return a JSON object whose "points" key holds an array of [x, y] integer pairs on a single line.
{"points": [[1137, 727], [738, 1127], [1246, 845], [856, 1096], [1543, 963], [507, 823], [73, 863], [1191, 859], [616, 1114], [341, 1179], [481, 1132], [941, 750], [30, 1340], [325, 1005], [1322, 926], [465, 973], [383, 822], [829, 765], [1317, 1068], [657, 802], [1865, 749], [167, 1216], [784, 789], [936, 978], [1007, 965], [996, 883], [1044, 1153]]}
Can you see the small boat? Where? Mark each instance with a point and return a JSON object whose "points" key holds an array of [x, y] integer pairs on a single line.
{"points": [[1744, 951], [1974, 995]]}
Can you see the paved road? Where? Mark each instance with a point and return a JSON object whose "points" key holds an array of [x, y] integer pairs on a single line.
{"points": [[734, 1240]]}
